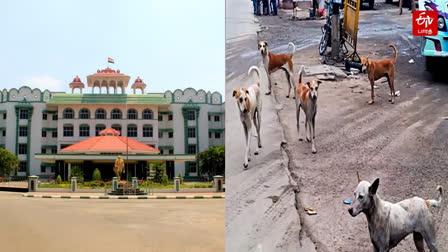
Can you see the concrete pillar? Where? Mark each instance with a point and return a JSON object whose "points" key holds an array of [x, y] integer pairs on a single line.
{"points": [[114, 183], [32, 183], [177, 184], [219, 185], [134, 183], [74, 184], [69, 170]]}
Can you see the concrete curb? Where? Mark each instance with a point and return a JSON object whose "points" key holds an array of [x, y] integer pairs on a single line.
{"points": [[125, 197]]}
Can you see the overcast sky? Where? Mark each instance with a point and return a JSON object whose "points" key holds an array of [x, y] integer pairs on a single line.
{"points": [[169, 44]]}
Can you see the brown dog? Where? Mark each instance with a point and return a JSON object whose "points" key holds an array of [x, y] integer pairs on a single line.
{"points": [[273, 62], [377, 69]]}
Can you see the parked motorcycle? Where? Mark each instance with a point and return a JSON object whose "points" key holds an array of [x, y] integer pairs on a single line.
{"points": [[325, 40]]}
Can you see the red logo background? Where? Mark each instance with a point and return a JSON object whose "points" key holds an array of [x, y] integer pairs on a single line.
{"points": [[421, 25]]}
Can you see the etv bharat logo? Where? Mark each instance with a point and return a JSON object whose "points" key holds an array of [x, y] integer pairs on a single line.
{"points": [[424, 23]]}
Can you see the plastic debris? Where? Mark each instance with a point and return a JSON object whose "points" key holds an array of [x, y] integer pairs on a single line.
{"points": [[411, 61], [310, 211], [348, 201]]}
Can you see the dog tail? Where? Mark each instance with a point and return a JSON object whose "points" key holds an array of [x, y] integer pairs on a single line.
{"points": [[291, 44], [395, 49], [255, 68], [300, 74], [436, 202]]}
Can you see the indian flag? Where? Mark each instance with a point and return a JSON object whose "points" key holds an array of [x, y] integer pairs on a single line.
{"points": [[110, 60]]}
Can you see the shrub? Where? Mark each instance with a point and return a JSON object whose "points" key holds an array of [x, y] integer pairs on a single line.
{"points": [[165, 180], [77, 172], [8, 162], [181, 178], [96, 175], [58, 180]]}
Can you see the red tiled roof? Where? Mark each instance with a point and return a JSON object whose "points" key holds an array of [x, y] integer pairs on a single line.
{"points": [[76, 83], [108, 72], [110, 144]]}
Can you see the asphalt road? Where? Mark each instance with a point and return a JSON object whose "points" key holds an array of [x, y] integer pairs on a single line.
{"points": [[32, 224], [405, 144]]}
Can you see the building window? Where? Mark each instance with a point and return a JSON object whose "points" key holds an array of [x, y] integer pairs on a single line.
{"points": [[170, 117], [209, 118], [170, 134], [68, 113], [217, 118], [115, 114], [132, 114], [54, 134], [54, 151], [55, 117], [23, 148], [23, 114], [191, 115], [160, 134], [192, 149], [43, 150], [100, 114], [44, 116], [84, 114], [209, 134], [68, 131], [217, 135], [147, 132], [132, 131], [117, 128], [44, 133], [160, 118], [4, 133], [84, 131], [52, 169], [98, 129], [4, 116], [23, 131], [192, 167], [191, 132], [22, 166], [171, 151], [148, 115], [43, 169]]}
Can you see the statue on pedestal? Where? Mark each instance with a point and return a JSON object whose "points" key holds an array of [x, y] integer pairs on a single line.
{"points": [[119, 167]]}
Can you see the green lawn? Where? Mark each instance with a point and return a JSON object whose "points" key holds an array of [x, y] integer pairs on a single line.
{"points": [[99, 185]]}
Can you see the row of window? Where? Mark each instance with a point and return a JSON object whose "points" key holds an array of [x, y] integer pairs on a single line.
{"points": [[84, 130], [45, 117], [217, 135], [217, 118], [43, 169], [100, 113]]}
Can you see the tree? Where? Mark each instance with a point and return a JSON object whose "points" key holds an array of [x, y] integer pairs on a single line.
{"points": [[212, 161], [165, 180], [59, 180], [181, 180], [8, 162], [160, 171], [96, 175], [77, 172]]}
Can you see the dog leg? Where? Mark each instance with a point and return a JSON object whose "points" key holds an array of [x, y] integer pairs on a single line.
{"points": [[430, 237], [257, 127], [372, 83], [248, 137], [391, 86], [307, 129], [270, 84], [313, 147], [418, 241], [298, 119], [314, 120]]}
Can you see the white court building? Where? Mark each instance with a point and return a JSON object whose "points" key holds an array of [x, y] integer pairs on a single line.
{"points": [[36, 125]]}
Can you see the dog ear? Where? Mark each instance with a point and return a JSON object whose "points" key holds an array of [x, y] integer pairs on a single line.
{"points": [[319, 82], [374, 187], [308, 84], [234, 93], [247, 91]]}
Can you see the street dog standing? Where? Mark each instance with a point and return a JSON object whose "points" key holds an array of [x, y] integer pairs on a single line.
{"points": [[273, 62], [249, 105], [307, 100], [390, 223], [377, 69]]}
